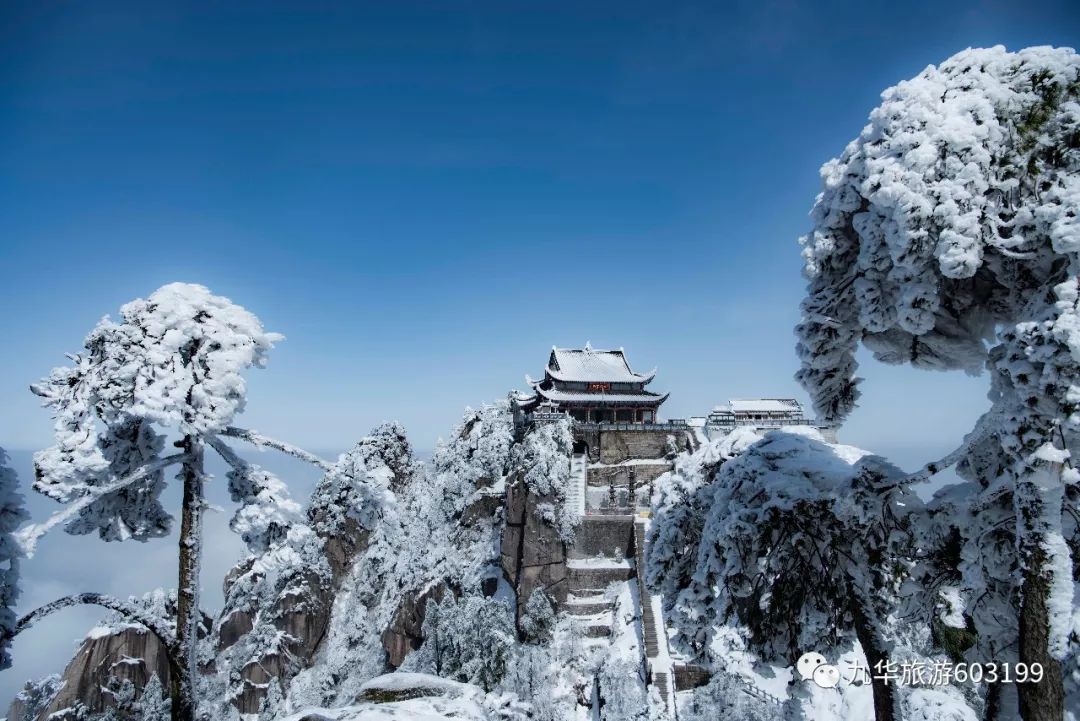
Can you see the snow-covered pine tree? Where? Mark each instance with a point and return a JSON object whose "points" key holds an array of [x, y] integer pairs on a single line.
{"points": [[469, 639], [949, 222], [538, 620], [790, 508], [173, 364], [12, 513], [153, 703]]}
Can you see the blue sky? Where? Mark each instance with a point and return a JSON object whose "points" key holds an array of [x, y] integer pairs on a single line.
{"points": [[424, 197]]}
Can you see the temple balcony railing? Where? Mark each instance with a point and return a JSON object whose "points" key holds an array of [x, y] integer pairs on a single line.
{"points": [[669, 425], [545, 417], [655, 426]]}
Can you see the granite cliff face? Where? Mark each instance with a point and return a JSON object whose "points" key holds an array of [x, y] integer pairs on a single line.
{"points": [[533, 553]]}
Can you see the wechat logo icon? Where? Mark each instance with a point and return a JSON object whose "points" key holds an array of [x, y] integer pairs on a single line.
{"points": [[813, 667]]}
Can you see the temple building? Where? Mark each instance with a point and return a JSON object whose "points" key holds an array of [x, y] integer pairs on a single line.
{"points": [[593, 386], [760, 412]]}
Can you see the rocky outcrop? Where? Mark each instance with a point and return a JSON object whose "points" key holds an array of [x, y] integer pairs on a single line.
{"points": [[132, 653], [34, 698], [344, 509], [405, 632], [111, 654], [533, 554]]}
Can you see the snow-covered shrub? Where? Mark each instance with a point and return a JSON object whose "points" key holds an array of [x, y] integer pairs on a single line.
{"points": [[12, 513], [947, 236], [622, 689]]}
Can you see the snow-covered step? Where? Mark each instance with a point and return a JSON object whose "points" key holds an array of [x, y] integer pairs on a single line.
{"points": [[662, 682], [588, 609], [597, 572], [610, 536]]}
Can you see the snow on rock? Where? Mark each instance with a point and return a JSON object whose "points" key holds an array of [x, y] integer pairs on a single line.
{"points": [[407, 697]]}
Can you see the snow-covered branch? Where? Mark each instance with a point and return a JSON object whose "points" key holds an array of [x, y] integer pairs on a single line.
{"points": [[227, 454], [952, 458], [257, 439], [266, 512], [130, 611], [28, 537]]}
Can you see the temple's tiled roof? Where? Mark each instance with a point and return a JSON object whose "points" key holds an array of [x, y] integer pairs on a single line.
{"points": [[590, 365]]}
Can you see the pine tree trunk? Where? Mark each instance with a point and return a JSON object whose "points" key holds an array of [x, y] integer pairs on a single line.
{"points": [[1038, 500], [1043, 701], [992, 708], [188, 616], [876, 657]]}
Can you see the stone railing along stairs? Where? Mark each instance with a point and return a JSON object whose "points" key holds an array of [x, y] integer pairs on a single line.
{"points": [[575, 496]]}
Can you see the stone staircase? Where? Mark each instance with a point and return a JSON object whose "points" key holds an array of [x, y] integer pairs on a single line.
{"points": [[656, 655], [595, 560]]}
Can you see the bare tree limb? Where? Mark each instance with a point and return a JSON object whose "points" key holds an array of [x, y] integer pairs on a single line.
{"points": [[128, 610], [28, 537], [257, 439]]}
